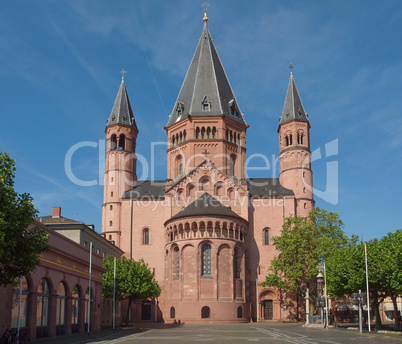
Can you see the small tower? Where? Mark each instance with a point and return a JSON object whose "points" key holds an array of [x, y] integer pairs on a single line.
{"points": [[206, 119], [294, 150], [120, 162]]}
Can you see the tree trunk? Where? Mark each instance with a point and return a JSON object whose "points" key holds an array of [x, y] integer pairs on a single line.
{"points": [[396, 313], [378, 323], [128, 310]]}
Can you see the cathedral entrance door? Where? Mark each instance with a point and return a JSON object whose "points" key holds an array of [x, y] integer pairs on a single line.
{"points": [[146, 311], [268, 310]]}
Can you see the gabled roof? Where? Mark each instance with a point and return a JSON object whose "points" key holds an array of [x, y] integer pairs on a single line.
{"points": [[293, 107], [260, 187], [122, 113], [147, 188], [206, 90], [206, 205]]}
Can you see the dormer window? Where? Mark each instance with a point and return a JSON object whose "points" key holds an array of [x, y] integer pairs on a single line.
{"points": [[233, 108], [206, 105], [180, 108]]}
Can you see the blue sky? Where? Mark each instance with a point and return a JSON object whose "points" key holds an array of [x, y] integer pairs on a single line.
{"points": [[59, 76]]}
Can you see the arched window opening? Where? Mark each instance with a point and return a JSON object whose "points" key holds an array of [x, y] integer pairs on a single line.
{"points": [[304, 190], [111, 207], [205, 312], [232, 165], [213, 132], [111, 194], [239, 312], [287, 141], [75, 310], [146, 236], [184, 135], [231, 136], [197, 133], [203, 133], [172, 313], [177, 139], [204, 183], [176, 263], [110, 223], [290, 139], [266, 236], [24, 303], [190, 190], [179, 166], [305, 205], [61, 309], [208, 133], [42, 310], [227, 134], [206, 260], [231, 194], [219, 189], [110, 237], [235, 138], [238, 140], [113, 142], [174, 141], [181, 137], [122, 142]]}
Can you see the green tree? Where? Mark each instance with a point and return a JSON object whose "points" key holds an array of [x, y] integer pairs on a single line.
{"points": [[134, 280], [303, 242], [20, 246], [346, 271]]}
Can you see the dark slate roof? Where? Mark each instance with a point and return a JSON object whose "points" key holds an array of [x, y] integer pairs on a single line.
{"points": [[293, 107], [266, 187], [122, 113], [146, 188], [206, 205], [205, 82]]}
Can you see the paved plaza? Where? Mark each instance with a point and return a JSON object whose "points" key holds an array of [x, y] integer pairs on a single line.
{"points": [[275, 333]]}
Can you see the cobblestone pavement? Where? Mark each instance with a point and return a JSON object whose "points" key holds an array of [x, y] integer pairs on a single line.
{"points": [[275, 333]]}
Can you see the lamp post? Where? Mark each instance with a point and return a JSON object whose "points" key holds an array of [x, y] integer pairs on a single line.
{"points": [[320, 299]]}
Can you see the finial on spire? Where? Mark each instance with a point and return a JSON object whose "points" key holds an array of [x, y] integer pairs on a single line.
{"points": [[205, 5], [122, 73], [291, 66]]}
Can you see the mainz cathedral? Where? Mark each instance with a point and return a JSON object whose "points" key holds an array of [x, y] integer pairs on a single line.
{"points": [[206, 230]]}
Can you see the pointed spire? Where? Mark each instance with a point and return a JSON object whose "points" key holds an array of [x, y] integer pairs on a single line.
{"points": [[206, 90], [122, 113], [293, 107]]}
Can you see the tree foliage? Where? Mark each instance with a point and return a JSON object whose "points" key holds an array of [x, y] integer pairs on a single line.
{"points": [[346, 270], [303, 242], [134, 280], [20, 246]]}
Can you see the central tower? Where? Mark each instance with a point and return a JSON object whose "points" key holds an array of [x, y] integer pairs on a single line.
{"points": [[206, 120]]}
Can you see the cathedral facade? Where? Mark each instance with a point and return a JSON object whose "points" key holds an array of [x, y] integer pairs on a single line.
{"points": [[205, 231]]}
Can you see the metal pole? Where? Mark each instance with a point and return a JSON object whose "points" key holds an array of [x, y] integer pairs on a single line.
{"points": [[367, 283], [360, 311], [256, 297], [114, 295], [307, 307], [19, 312], [89, 288], [326, 296]]}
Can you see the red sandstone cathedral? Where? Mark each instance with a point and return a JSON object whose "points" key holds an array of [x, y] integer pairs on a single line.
{"points": [[206, 230]]}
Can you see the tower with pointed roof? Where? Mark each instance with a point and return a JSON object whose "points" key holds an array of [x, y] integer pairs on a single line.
{"points": [[120, 162], [294, 150], [206, 119]]}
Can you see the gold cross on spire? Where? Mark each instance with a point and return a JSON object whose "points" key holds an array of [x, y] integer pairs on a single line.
{"points": [[122, 73], [291, 67], [205, 5]]}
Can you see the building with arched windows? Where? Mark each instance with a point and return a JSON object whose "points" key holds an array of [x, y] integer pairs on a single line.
{"points": [[206, 229]]}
